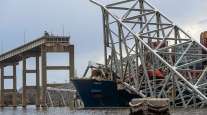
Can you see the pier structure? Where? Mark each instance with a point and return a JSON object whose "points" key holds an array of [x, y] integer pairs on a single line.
{"points": [[38, 50], [151, 55]]}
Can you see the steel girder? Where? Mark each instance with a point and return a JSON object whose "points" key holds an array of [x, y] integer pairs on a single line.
{"points": [[138, 39], [59, 96]]}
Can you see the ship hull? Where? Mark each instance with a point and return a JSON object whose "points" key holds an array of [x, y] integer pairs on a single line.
{"points": [[102, 93]]}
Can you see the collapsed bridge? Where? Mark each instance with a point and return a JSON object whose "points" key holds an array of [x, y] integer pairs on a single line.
{"points": [[152, 55]]}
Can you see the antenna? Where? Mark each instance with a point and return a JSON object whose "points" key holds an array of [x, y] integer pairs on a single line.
{"points": [[24, 36], [63, 29]]}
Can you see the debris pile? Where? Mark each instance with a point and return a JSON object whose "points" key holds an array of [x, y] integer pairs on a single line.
{"points": [[150, 106]]}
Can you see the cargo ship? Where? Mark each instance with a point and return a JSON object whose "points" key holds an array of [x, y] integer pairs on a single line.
{"points": [[104, 88]]}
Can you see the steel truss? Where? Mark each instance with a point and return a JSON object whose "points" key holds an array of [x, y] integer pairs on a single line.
{"points": [[59, 96], [139, 39]]}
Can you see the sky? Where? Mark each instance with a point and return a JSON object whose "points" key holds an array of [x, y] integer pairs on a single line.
{"points": [[24, 20]]}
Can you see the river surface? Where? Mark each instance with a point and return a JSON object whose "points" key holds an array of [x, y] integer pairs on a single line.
{"points": [[67, 111]]}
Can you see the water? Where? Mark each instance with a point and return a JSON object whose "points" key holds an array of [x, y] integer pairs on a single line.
{"points": [[60, 111], [189, 111], [67, 111]]}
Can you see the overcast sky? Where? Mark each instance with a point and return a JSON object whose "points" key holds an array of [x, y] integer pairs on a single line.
{"points": [[83, 22]]}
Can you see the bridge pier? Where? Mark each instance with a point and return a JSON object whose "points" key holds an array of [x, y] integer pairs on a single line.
{"points": [[25, 71], [13, 90], [51, 47]]}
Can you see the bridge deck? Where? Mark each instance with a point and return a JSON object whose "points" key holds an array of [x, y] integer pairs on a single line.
{"points": [[34, 46]]}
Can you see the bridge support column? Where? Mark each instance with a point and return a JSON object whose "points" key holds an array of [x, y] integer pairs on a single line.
{"points": [[24, 82], [37, 82], [44, 77], [2, 87], [14, 95], [71, 62]]}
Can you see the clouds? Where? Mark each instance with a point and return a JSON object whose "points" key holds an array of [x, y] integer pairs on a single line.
{"points": [[83, 21], [188, 14], [204, 21], [80, 18]]}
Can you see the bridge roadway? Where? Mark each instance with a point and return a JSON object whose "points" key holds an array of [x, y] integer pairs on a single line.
{"points": [[38, 49]]}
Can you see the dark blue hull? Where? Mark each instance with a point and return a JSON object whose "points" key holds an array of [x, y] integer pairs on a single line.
{"points": [[102, 93]]}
